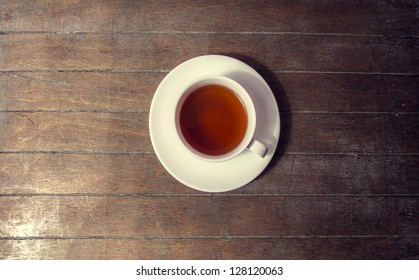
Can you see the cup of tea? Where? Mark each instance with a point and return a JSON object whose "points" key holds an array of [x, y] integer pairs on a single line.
{"points": [[215, 119]]}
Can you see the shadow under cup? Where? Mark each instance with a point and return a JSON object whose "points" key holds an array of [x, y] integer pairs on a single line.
{"points": [[215, 118]]}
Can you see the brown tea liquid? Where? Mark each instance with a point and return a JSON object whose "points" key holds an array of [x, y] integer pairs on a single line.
{"points": [[213, 120]]}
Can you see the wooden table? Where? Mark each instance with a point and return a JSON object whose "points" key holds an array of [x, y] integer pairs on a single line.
{"points": [[80, 180]]}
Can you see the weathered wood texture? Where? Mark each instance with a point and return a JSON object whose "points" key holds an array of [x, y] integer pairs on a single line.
{"points": [[142, 174], [165, 51], [321, 16], [128, 131], [217, 248], [105, 216], [28, 91], [79, 178]]}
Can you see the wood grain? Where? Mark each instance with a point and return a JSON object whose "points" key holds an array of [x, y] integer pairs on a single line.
{"points": [[165, 51], [79, 178], [352, 133], [32, 91], [75, 131], [86, 216], [221, 248], [142, 174], [310, 133], [77, 91], [353, 17]]}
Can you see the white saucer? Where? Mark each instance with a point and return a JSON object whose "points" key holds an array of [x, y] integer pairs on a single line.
{"points": [[183, 165]]}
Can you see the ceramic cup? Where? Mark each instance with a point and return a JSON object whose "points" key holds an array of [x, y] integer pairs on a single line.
{"points": [[248, 142]]}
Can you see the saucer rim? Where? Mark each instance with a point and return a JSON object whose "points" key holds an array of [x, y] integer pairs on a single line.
{"points": [[243, 155]]}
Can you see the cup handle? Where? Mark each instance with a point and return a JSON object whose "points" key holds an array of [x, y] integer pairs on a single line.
{"points": [[258, 148]]}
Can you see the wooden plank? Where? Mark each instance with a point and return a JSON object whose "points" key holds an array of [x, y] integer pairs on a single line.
{"points": [[344, 93], [165, 51], [134, 91], [189, 216], [143, 174], [394, 248], [78, 91], [310, 133], [87, 173], [328, 133], [354, 17], [74, 131]]}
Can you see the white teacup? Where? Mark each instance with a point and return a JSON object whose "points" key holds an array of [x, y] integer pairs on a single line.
{"points": [[215, 119]]}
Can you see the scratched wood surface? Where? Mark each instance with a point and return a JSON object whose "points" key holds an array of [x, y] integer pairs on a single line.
{"points": [[78, 175]]}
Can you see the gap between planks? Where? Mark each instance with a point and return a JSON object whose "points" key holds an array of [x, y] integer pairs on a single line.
{"points": [[171, 195], [98, 152], [191, 32], [204, 237], [3, 71], [396, 113]]}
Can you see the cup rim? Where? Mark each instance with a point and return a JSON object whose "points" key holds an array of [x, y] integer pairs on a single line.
{"points": [[248, 104]]}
